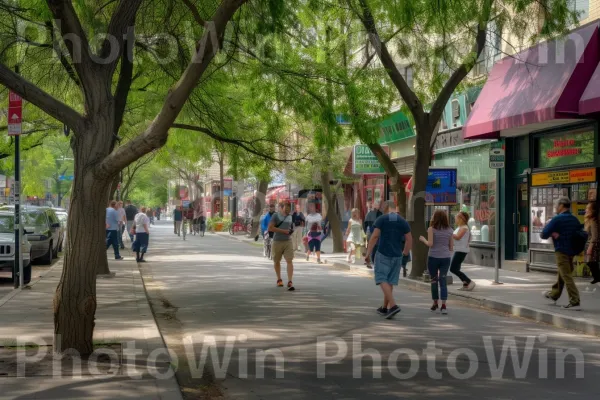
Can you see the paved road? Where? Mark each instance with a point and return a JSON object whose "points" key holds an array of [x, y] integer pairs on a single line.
{"points": [[221, 289]]}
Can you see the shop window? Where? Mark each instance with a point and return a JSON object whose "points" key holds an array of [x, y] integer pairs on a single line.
{"points": [[476, 189], [565, 148]]}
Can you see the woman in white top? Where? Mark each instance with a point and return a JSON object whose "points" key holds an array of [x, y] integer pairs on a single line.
{"points": [[140, 229], [462, 238], [354, 233]]}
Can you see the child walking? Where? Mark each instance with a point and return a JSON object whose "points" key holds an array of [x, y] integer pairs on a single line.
{"points": [[314, 238], [462, 238]]}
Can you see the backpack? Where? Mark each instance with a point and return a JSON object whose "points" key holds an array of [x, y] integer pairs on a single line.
{"points": [[578, 241]]}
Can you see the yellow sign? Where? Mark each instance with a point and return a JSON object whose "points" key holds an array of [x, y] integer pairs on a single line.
{"points": [[573, 176], [582, 175]]}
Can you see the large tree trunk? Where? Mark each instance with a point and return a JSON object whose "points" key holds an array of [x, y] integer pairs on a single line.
{"points": [[335, 223], [259, 205], [85, 255], [417, 201]]}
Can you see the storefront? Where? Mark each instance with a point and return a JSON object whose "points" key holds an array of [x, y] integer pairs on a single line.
{"points": [[564, 164], [476, 195], [543, 104]]}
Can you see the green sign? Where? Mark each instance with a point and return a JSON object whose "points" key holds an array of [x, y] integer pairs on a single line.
{"points": [[364, 162], [569, 148], [394, 128]]}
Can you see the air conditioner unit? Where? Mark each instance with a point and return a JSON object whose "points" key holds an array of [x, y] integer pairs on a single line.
{"points": [[455, 109]]}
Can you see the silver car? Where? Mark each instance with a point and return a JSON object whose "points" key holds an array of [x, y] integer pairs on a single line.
{"points": [[7, 242]]}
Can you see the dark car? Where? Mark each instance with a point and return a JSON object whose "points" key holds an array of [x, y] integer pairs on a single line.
{"points": [[44, 231]]}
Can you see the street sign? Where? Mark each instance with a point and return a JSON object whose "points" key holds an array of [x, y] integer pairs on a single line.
{"points": [[497, 155], [15, 114]]}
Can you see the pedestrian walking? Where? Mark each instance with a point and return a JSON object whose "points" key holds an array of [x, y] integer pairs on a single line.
{"points": [[282, 226], [462, 240], [313, 241], [591, 252], [355, 236], [112, 229], [177, 220], [267, 236], [122, 223], [141, 230], [372, 214], [130, 213], [441, 245], [299, 223], [568, 235], [395, 242]]}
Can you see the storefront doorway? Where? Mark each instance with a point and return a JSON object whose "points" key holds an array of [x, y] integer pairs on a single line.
{"points": [[521, 221]]}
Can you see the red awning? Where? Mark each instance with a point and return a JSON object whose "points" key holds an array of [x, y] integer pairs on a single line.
{"points": [[590, 101], [537, 88]]}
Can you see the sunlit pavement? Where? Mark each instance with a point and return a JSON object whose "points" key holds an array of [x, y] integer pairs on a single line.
{"points": [[225, 290]]}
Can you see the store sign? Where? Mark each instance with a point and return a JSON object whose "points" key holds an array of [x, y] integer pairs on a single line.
{"points": [[441, 186], [564, 177], [394, 128], [497, 155], [365, 162], [566, 149], [228, 187]]}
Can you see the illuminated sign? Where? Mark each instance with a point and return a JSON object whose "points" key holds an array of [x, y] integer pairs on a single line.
{"points": [[564, 177], [569, 148], [441, 186]]}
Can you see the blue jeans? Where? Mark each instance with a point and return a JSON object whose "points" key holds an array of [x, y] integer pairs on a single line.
{"points": [[112, 239], [438, 270]]}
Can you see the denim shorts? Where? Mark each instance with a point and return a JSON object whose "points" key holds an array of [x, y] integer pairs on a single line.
{"points": [[387, 269]]}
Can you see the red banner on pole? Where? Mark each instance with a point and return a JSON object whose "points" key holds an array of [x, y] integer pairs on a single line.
{"points": [[15, 114]]}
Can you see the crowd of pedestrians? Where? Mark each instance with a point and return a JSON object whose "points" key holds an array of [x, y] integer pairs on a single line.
{"points": [[137, 224]]}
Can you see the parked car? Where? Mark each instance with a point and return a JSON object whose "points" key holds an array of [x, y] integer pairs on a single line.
{"points": [[7, 245], [62, 217], [44, 231]]}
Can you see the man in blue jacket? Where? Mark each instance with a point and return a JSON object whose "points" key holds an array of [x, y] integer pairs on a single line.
{"points": [[264, 226], [562, 228]]}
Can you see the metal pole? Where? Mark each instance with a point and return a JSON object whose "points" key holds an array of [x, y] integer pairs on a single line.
{"points": [[18, 262], [498, 230]]}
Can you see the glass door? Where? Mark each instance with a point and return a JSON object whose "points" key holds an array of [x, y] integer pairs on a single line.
{"points": [[521, 220]]}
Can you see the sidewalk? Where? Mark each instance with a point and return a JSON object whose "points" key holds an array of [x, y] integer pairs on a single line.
{"points": [[124, 322], [520, 294]]}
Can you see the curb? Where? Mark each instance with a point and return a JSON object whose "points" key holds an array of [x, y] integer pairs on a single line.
{"points": [[516, 310]]}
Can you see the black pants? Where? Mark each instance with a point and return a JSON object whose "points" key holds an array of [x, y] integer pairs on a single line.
{"points": [[455, 265], [594, 269]]}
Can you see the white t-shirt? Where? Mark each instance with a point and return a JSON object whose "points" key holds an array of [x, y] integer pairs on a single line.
{"points": [[462, 245], [141, 219], [312, 218]]}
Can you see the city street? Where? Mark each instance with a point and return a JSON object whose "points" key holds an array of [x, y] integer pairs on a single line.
{"points": [[216, 288]]}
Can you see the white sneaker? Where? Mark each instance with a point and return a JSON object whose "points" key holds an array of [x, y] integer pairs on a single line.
{"points": [[471, 286]]}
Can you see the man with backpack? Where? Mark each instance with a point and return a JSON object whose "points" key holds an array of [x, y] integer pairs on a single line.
{"points": [[569, 241]]}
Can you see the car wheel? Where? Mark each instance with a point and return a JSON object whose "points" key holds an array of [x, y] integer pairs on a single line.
{"points": [[47, 258]]}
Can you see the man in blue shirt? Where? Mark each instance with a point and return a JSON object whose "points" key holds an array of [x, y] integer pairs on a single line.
{"points": [[112, 229], [562, 228], [395, 242], [264, 226]]}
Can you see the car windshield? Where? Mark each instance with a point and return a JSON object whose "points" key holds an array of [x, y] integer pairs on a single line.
{"points": [[6, 224], [35, 220]]}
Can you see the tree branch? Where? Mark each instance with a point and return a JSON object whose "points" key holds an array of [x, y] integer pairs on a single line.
{"points": [[41, 99], [156, 134], [461, 72], [63, 60], [410, 98], [124, 84], [240, 143], [74, 37], [120, 28], [195, 12]]}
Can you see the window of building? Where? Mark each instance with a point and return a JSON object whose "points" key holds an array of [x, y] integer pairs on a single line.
{"points": [[456, 113], [407, 74], [581, 7], [476, 189]]}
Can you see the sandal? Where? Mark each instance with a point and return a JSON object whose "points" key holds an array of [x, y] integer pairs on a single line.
{"points": [[290, 286], [280, 282]]}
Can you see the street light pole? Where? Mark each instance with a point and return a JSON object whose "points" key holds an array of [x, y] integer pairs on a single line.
{"points": [[18, 261]]}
